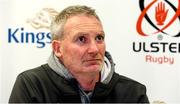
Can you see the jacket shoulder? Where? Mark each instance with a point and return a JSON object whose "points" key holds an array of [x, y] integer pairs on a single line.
{"points": [[129, 90], [127, 80], [37, 76], [39, 71], [129, 86]]}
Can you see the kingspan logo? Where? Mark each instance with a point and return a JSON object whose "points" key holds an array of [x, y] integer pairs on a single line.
{"points": [[41, 21], [158, 18]]}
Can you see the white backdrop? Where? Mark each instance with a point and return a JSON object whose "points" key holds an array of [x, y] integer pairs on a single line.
{"points": [[119, 18]]}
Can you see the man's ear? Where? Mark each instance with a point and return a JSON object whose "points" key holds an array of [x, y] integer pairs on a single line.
{"points": [[56, 46]]}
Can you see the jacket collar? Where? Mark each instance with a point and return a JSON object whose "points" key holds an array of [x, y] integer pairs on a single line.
{"points": [[106, 72]]}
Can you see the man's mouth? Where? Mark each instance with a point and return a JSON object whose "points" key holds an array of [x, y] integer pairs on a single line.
{"points": [[93, 61]]}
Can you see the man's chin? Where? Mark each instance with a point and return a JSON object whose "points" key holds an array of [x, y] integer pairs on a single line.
{"points": [[93, 68]]}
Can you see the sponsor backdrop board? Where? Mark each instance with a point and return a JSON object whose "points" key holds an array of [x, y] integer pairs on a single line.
{"points": [[142, 36]]}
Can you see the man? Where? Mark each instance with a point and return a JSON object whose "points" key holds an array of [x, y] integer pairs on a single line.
{"points": [[79, 69]]}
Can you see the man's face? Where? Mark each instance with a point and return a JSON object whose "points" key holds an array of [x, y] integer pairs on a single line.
{"points": [[82, 48]]}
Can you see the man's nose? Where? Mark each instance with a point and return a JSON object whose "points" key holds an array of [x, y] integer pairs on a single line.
{"points": [[93, 47]]}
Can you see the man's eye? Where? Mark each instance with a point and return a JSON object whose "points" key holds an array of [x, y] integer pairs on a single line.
{"points": [[82, 39], [100, 38]]}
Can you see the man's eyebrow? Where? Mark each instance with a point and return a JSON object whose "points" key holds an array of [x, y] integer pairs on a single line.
{"points": [[79, 34], [102, 33], [85, 34]]}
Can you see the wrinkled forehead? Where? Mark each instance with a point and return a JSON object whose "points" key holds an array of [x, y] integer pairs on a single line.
{"points": [[83, 22]]}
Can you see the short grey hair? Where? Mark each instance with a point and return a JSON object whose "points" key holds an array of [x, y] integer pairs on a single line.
{"points": [[57, 24]]}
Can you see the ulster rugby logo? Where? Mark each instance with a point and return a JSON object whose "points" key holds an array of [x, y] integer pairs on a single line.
{"points": [[161, 16]]}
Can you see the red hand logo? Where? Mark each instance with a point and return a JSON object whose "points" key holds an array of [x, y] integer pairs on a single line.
{"points": [[161, 13]]}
